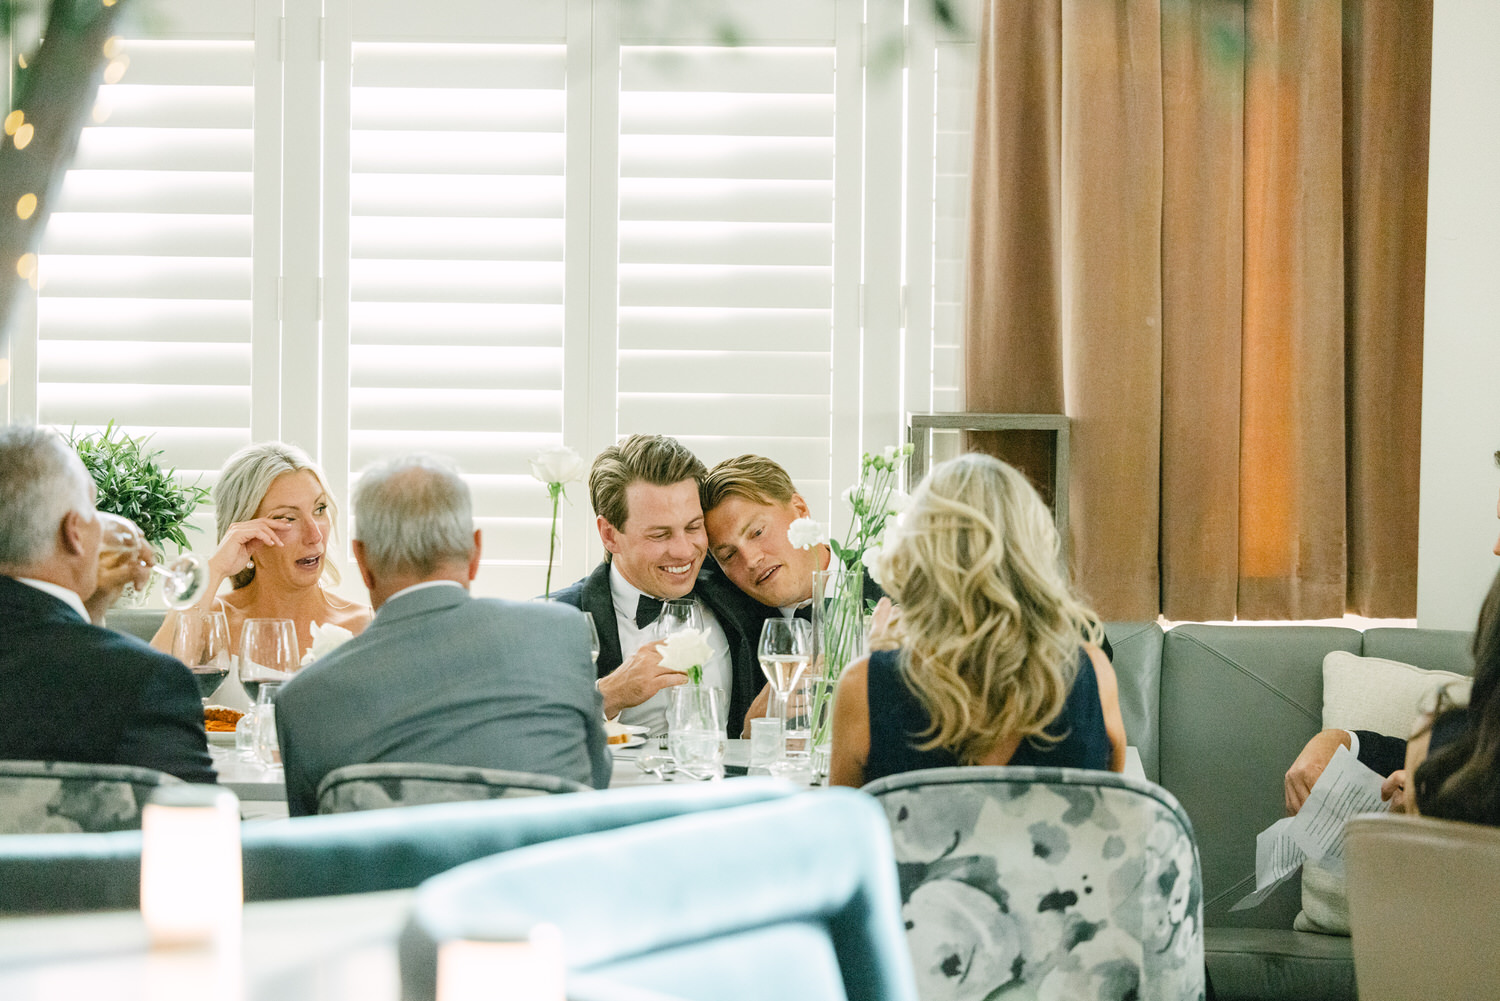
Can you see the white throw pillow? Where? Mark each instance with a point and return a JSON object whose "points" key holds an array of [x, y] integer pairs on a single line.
{"points": [[1369, 693], [1366, 693]]}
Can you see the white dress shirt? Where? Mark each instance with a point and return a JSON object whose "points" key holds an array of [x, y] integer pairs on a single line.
{"points": [[717, 672]]}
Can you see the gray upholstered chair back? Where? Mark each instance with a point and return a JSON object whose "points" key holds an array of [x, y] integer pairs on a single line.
{"points": [[1049, 882], [392, 783], [66, 797]]}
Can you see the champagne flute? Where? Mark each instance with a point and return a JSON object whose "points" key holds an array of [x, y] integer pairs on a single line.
{"points": [[785, 650], [185, 576], [200, 639], [678, 615]]}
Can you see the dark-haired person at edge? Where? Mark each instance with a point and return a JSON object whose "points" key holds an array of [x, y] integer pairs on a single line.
{"points": [[1454, 759], [1383, 754]]}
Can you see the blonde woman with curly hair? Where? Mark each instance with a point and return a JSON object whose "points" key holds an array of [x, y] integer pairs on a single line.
{"points": [[1000, 661]]}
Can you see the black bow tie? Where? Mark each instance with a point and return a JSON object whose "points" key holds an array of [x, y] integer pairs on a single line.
{"points": [[647, 609]]}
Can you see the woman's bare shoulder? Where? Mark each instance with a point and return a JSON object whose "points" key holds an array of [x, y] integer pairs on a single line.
{"points": [[351, 615]]}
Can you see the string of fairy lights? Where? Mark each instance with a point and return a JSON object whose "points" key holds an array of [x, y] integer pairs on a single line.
{"points": [[22, 132]]}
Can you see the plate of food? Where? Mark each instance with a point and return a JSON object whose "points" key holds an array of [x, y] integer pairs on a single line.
{"points": [[219, 722], [622, 735]]}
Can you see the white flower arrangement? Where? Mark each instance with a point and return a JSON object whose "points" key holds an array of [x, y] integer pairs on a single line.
{"points": [[325, 640], [804, 533], [556, 466], [687, 651]]}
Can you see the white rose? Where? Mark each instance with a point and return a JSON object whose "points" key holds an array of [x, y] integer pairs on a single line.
{"points": [[890, 453], [325, 639], [558, 464], [849, 494], [804, 533], [685, 650], [897, 502]]}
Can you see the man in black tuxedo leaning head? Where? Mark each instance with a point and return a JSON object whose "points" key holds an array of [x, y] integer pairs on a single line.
{"points": [[644, 492], [71, 690]]}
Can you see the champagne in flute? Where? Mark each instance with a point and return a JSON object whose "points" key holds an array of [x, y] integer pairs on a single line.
{"points": [[785, 650], [185, 576]]}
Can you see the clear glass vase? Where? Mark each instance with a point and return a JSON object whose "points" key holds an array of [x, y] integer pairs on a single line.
{"points": [[839, 637]]}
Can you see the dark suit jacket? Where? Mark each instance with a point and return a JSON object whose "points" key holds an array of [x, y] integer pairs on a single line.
{"points": [[444, 678], [733, 610], [71, 691], [1381, 753]]}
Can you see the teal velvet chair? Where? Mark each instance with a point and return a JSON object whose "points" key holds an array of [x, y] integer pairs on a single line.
{"points": [[350, 852], [794, 900]]}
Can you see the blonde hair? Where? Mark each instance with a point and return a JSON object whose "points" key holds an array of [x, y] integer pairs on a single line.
{"points": [[243, 483], [649, 458], [991, 625], [752, 477]]}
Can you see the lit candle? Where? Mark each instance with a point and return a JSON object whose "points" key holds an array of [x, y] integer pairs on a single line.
{"points": [[192, 888], [529, 970]]}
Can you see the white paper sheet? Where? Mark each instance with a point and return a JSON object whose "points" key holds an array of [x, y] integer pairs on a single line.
{"points": [[1345, 788]]}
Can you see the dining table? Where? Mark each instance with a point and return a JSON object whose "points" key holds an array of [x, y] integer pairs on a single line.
{"points": [[261, 788]]}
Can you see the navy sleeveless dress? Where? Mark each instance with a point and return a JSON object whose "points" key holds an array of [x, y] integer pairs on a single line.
{"points": [[897, 718]]}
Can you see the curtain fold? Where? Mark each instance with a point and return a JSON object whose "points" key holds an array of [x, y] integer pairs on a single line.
{"points": [[1199, 227]]}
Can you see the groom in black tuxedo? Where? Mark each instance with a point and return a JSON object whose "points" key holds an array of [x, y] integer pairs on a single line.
{"points": [[644, 492], [70, 690]]}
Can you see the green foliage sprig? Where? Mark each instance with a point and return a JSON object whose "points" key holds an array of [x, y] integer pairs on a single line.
{"points": [[133, 484]]}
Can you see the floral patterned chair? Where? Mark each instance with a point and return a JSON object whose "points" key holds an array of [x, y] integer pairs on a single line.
{"points": [[67, 797], [392, 783], [1045, 882]]}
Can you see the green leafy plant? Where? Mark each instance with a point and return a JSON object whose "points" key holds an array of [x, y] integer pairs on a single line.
{"points": [[134, 485]]}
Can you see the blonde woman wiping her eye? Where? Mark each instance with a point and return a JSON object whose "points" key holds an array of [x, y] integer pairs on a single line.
{"points": [[275, 518]]}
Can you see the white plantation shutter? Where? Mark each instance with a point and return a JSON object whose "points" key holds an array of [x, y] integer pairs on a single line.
{"points": [[144, 309], [726, 236], [455, 256], [957, 66]]}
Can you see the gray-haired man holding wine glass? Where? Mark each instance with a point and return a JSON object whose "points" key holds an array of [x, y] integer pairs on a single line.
{"points": [[69, 689]]}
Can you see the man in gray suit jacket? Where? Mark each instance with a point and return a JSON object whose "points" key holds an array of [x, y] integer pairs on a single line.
{"points": [[440, 677]]}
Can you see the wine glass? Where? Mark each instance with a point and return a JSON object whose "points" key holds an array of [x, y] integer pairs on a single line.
{"points": [[268, 653], [593, 637], [185, 576], [785, 650], [200, 639], [678, 615]]}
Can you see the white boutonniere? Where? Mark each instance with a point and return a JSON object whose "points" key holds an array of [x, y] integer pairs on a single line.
{"points": [[687, 651]]}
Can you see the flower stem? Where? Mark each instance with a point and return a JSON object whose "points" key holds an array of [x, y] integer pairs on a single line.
{"points": [[555, 489]]}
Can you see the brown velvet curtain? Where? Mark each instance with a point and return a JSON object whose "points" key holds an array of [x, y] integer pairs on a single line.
{"points": [[1198, 229]]}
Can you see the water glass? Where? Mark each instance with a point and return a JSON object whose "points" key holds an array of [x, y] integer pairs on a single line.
{"points": [[267, 748], [694, 734], [765, 741], [677, 615], [797, 721]]}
